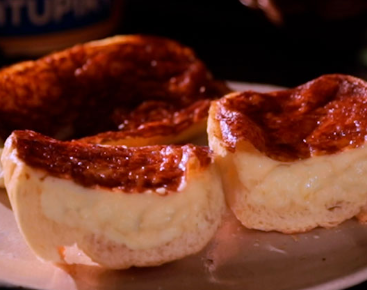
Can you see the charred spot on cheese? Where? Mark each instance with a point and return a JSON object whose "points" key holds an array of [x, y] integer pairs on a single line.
{"points": [[321, 117], [130, 169]]}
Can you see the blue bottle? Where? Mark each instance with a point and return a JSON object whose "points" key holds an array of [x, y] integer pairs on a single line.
{"points": [[35, 27]]}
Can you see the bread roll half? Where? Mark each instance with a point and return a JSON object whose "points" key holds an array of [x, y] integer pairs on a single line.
{"points": [[296, 159], [122, 206]]}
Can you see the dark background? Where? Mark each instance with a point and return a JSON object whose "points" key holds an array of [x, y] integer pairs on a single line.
{"points": [[315, 37], [238, 43]]}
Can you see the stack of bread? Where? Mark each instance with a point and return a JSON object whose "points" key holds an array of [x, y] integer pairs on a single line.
{"points": [[89, 156]]}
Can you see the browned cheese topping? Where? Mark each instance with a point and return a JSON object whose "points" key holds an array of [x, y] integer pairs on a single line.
{"points": [[130, 169], [323, 116], [142, 85], [154, 119]]}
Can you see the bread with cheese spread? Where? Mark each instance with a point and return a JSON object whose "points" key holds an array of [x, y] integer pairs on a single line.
{"points": [[138, 206], [295, 159]]}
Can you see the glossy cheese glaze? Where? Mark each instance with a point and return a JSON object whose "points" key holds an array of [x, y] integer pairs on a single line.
{"points": [[108, 86], [133, 169], [153, 118], [323, 116]]}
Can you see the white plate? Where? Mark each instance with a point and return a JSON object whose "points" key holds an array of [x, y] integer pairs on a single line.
{"points": [[236, 258]]}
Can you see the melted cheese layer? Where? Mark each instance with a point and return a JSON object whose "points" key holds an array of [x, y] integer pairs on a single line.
{"points": [[138, 220], [297, 196], [284, 184]]}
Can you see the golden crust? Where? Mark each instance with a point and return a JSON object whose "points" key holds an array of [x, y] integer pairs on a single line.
{"points": [[127, 169]]}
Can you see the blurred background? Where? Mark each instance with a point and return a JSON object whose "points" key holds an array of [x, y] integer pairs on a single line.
{"points": [[278, 42], [283, 42]]}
